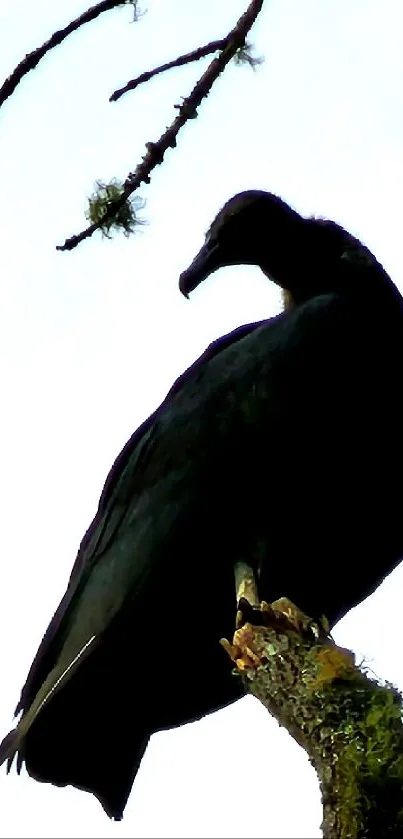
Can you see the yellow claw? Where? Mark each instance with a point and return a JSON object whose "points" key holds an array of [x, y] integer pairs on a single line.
{"points": [[233, 651], [286, 608]]}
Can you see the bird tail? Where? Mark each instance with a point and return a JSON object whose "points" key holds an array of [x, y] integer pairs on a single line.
{"points": [[88, 726], [12, 744]]}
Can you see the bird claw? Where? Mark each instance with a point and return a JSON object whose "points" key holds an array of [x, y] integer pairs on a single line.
{"points": [[290, 614], [282, 614], [243, 657]]}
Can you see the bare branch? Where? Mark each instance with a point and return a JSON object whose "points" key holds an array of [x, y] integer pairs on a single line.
{"points": [[187, 58], [187, 110], [33, 58]]}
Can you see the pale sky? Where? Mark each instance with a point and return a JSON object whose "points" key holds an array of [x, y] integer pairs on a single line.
{"points": [[90, 341]]}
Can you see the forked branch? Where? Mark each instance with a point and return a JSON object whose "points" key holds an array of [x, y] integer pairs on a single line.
{"points": [[155, 153]]}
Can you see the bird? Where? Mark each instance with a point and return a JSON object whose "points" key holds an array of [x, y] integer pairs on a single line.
{"points": [[280, 447]]}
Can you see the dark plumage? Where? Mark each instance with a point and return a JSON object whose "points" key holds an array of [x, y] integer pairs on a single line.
{"points": [[280, 446]]}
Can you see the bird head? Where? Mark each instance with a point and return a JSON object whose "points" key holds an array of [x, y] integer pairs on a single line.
{"points": [[304, 256], [239, 235]]}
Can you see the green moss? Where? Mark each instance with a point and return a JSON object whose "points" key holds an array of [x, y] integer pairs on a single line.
{"points": [[349, 724], [101, 203], [362, 720]]}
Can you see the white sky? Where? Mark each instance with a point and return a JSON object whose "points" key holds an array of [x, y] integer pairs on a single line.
{"points": [[90, 341]]}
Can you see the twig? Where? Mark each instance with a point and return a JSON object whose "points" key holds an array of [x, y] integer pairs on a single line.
{"points": [[187, 110], [33, 58], [187, 58]]}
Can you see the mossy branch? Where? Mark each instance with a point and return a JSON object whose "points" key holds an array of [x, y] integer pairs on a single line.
{"points": [[107, 211], [187, 110], [125, 219], [350, 725]]}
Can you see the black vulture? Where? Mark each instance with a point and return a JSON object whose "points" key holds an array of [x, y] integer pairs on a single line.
{"points": [[280, 446]]}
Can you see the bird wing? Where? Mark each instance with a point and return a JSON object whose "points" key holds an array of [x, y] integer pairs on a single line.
{"points": [[90, 603]]}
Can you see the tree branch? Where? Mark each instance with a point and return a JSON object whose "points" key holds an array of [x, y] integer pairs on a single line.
{"points": [[187, 110], [350, 725], [187, 58], [33, 58]]}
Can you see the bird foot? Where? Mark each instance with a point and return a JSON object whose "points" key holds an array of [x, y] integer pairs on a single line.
{"points": [[282, 615]]}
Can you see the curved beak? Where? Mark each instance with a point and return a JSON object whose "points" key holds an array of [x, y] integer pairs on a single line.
{"points": [[206, 261]]}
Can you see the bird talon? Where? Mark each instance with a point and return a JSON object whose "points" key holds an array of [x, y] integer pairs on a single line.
{"points": [[243, 656], [232, 649], [290, 614]]}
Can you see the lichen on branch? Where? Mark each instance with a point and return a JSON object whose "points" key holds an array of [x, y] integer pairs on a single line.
{"points": [[349, 724], [186, 110], [109, 195]]}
